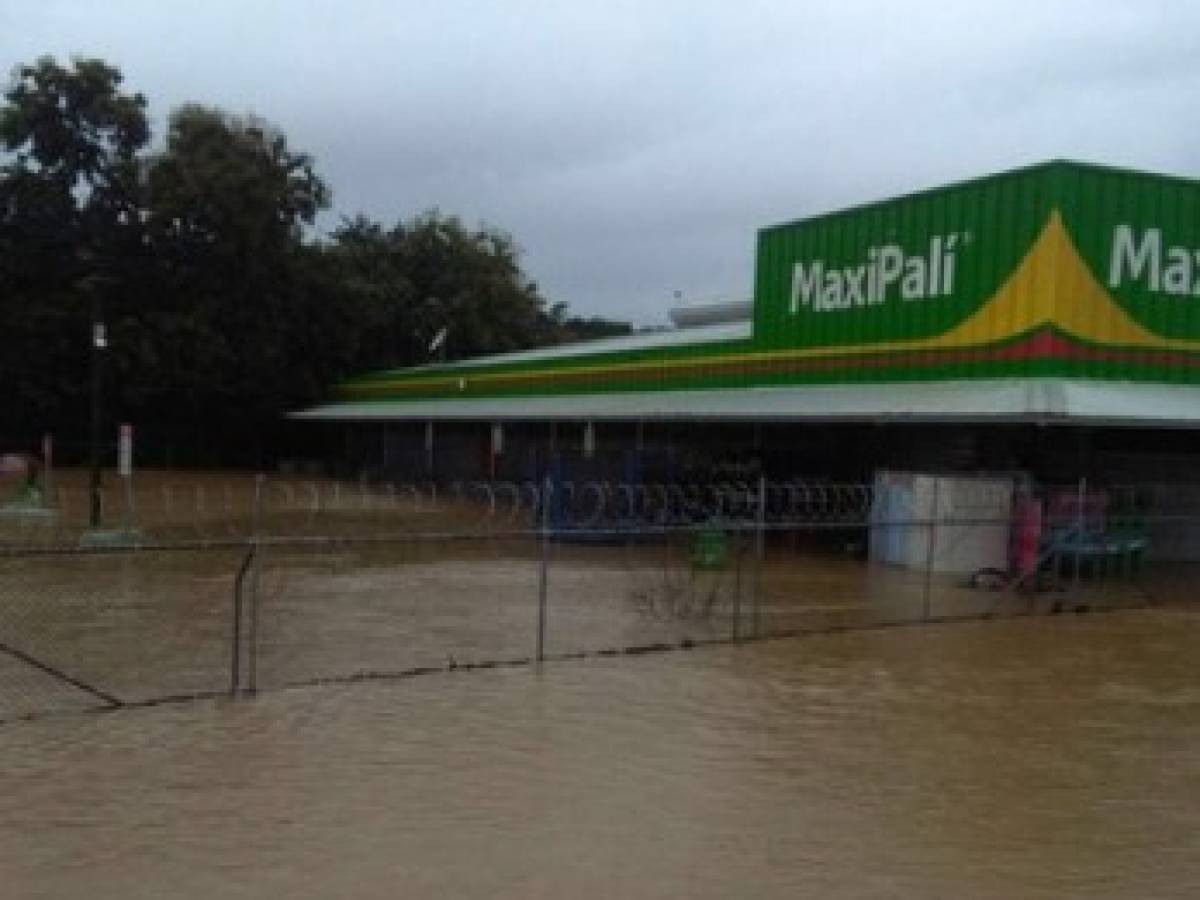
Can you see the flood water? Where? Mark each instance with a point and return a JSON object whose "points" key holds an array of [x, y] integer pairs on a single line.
{"points": [[1056, 756]]}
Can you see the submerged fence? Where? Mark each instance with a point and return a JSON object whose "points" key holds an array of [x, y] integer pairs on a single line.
{"points": [[210, 589]]}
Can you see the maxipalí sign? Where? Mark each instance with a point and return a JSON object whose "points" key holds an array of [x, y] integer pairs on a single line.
{"points": [[887, 272], [1059, 269], [1061, 266]]}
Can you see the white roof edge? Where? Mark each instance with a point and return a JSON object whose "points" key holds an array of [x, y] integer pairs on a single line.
{"points": [[1057, 401]]}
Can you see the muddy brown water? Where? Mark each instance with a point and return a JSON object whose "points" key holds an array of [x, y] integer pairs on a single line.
{"points": [[1040, 756], [1052, 756]]}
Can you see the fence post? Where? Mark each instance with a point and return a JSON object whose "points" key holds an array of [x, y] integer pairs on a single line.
{"points": [[737, 582], [929, 550], [543, 547], [760, 550], [1080, 525], [256, 529], [239, 582]]}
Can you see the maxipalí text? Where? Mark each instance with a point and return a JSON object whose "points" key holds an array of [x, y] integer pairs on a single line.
{"points": [[1137, 256], [1173, 270], [886, 272]]}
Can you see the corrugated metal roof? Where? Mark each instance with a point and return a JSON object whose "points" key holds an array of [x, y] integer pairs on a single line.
{"points": [[1003, 400], [726, 331]]}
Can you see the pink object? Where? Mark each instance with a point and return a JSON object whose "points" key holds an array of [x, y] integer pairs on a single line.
{"points": [[1027, 514]]}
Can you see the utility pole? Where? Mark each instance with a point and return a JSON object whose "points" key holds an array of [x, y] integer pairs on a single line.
{"points": [[99, 345], [91, 283]]}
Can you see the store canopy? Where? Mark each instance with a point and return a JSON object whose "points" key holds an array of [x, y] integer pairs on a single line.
{"points": [[1048, 401]]}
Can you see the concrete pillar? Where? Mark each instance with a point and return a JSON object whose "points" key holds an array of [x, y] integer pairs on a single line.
{"points": [[589, 440], [429, 448]]}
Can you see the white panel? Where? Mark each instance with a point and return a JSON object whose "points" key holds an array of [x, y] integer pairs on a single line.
{"points": [[968, 519]]}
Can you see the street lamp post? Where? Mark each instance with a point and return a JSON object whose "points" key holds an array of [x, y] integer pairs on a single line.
{"points": [[99, 345], [90, 284]]}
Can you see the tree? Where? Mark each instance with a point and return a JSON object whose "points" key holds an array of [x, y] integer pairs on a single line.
{"points": [[590, 328], [223, 312], [247, 322], [432, 275], [217, 310], [69, 220], [231, 184]]}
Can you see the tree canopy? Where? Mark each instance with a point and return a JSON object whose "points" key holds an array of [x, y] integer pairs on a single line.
{"points": [[431, 277], [69, 225], [225, 309]]}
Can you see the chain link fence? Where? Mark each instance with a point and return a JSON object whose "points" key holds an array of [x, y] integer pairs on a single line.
{"points": [[228, 586]]}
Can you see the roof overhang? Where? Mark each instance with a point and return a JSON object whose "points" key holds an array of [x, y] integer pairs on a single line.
{"points": [[1043, 401]]}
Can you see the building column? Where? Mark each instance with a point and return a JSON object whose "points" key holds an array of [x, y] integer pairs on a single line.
{"points": [[497, 448], [589, 440], [429, 449]]}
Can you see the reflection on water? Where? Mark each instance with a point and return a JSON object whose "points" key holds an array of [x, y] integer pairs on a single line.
{"points": [[1034, 757]]}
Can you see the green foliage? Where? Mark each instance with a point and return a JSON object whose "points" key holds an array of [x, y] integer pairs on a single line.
{"points": [[69, 226], [70, 139], [593, 328], [222, 313], [230, 184], [431, 276], [226, 204]]}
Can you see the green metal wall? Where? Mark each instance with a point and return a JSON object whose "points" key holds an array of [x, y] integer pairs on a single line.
{"points": [[994, 220]]}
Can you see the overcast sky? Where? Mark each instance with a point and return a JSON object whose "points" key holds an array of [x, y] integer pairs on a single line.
{"points": [[633, 148]]}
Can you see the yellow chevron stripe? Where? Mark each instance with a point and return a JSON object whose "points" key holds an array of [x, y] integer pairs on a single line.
{"points": [[1053, 286]]}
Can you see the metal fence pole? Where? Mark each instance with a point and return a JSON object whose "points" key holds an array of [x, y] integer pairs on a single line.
{"points": [[1080, 525], [239, 582], [256, 529], [760, 551], [737, 583], [544, 548], [929, 550]]}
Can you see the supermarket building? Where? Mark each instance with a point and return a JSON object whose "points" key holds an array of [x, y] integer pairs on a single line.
{"points": [[1045, 319]]}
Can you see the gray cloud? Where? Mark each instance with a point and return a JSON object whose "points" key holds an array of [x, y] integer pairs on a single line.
{"points": [[634, 148]]}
